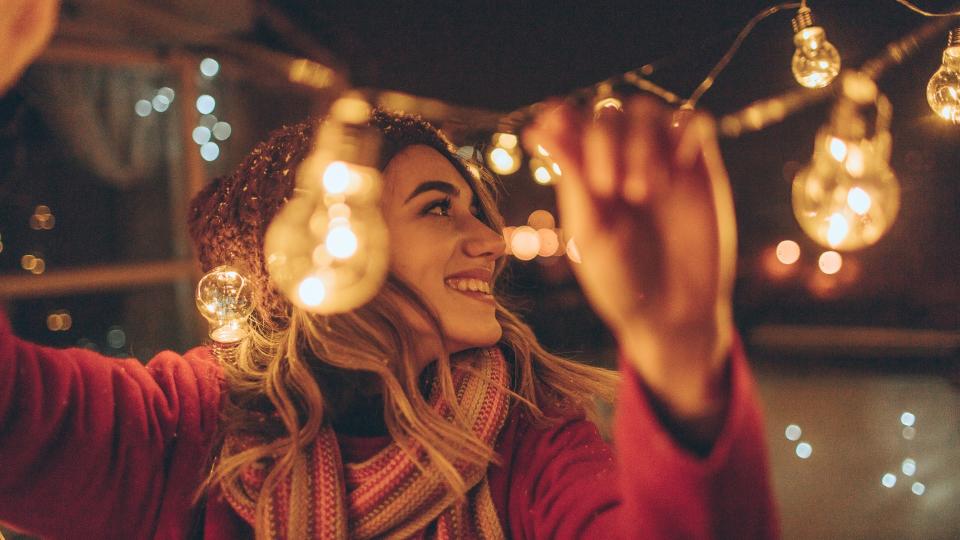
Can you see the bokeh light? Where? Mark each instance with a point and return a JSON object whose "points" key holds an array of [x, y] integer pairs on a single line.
{"points": [[804, 450], [341, 242], [549, 242], [541, 219], [788, 252], [889, 480], [793, 432], [206, 104], [222, 131], [210, 151], [312, 291], [209, 67], [143, 108], [525, 243], [830, 262]]}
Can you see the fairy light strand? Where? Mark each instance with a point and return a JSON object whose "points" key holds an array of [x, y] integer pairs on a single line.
{"points": [[734, 47], [916, 9]]}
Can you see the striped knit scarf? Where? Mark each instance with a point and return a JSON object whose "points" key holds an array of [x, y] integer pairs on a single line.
{"points": [[387, 496]]}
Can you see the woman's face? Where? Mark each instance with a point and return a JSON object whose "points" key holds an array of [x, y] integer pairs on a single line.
{"points": [[440, 248]]}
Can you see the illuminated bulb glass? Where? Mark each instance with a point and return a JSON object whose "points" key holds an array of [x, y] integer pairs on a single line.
{"points": [[830, 262], [326, 249], [225, 298], [847, 197], [525, 243], [943, 89], [341, 242], [788, 252], [816, 61]]}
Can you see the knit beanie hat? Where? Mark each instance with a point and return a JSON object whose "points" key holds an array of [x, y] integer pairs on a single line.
{"points": [[230, 216]]}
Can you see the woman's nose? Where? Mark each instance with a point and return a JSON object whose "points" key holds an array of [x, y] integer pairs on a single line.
{"points": [[482, 241]]}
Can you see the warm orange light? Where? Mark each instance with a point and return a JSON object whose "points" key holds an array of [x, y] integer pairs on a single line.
{"points": [[549, 242], [525, 243], [830, 262], [541, 219], [788, 252]]}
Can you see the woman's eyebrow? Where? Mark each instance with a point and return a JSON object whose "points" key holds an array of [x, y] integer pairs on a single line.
{"points": [[438, 185]]}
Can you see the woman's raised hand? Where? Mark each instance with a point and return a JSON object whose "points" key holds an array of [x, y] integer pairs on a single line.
{"points": [[25, 28], [645, 196]]}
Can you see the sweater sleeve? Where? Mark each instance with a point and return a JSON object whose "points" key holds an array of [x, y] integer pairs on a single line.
{"points": [[97, 447], [566, 483], [669, 492]]}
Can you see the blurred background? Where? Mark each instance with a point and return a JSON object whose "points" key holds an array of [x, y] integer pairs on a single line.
{"points": [[136, 104]]}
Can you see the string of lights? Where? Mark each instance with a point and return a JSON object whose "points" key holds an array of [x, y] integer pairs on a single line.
{"points": [[845, 199], [916, 9]]}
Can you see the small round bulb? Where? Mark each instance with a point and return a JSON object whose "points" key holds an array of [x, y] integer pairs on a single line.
{"points": [[943, 90], [816, 61], [225, 298], [504, 156]]}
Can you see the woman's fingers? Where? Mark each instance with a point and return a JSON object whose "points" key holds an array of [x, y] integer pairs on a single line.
{"points": [[603, 153], [645, 151]]}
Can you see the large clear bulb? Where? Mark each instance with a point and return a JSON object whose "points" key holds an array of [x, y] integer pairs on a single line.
{"points": [[943, 90], [327, 248], [225, 298], [847, 197], [816, 61]]}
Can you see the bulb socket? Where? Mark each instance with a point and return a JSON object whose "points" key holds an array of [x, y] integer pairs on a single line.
{"points": [[803, 19], [953, 39]]}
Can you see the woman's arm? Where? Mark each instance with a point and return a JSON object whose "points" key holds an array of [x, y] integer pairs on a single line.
{"points": [[97, 447], [645, 196], [566, 483]]}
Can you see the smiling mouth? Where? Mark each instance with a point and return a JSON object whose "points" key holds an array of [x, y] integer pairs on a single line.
{"points": [[475, 288]]}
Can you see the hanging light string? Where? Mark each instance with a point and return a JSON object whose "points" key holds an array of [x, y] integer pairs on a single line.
{"points": [[915, 9], [715, 72], [768, 111]]}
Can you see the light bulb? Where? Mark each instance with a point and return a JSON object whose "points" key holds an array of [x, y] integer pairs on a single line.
{"points": [[503, 156], [943, 90], [847, 197], [225, 298], [327, 248], [816, 61]]}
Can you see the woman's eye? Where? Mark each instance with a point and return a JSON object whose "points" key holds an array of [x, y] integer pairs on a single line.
{"points": [[438, 208]]}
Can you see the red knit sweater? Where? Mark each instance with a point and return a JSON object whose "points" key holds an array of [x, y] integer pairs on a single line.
{"points": [[95, 447]]}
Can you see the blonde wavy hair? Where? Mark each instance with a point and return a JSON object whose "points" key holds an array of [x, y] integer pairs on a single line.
{"points": [[283, 384]]}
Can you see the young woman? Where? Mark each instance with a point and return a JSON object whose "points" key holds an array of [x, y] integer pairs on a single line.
{"points": [[431, 411]]}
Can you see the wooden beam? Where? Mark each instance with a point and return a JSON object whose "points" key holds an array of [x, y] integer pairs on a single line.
{"points": [[93, 279]]}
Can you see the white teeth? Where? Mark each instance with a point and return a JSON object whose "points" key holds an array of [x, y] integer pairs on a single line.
{"points": [[464, 284]]}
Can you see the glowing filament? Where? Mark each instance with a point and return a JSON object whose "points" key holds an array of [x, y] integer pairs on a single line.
{"points": [[859, 200], [312, 291], [336, 179], [837, 230], [341, 242]]}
